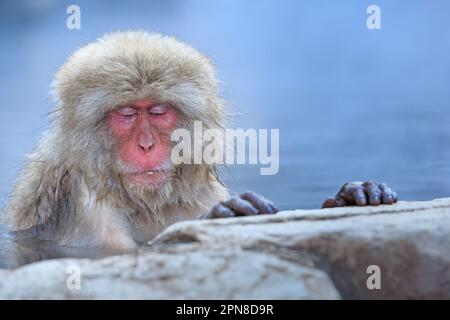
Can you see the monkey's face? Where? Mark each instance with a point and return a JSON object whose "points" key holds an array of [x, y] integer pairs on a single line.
{"points": [[141, 131]]}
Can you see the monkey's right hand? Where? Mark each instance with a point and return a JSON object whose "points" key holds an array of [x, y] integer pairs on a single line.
{"points": [[246, 204]]}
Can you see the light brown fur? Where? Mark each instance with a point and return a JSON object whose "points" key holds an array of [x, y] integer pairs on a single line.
{"points": [[71, 190]]}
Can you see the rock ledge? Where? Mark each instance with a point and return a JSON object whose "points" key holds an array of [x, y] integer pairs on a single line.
{"points": [[346, 253]]}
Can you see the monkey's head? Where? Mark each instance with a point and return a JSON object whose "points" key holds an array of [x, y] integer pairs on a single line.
{"points": [[120, 98]]}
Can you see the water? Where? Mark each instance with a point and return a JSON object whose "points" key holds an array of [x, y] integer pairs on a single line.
{"points": [[351, 104]]}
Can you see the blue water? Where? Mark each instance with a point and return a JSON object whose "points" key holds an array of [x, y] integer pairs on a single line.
{"points": [[350, 103]]}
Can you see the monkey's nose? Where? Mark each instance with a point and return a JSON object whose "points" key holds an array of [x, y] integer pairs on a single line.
{"points": [[145, 144]]}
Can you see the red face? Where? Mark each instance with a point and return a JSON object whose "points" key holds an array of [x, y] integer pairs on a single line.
{"points": [[142, 131]]}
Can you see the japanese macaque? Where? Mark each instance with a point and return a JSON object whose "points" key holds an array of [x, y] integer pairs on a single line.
{"points": [[102, 175]]}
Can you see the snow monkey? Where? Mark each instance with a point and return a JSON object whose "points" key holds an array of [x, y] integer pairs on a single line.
{"points": [[102, 175]]}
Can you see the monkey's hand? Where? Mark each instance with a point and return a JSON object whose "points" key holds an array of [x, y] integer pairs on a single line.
{"points": [[362, 194], [246, 204]]}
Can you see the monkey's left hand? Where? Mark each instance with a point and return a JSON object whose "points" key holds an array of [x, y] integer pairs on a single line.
{"points": [[246, 204], [362, 194]]}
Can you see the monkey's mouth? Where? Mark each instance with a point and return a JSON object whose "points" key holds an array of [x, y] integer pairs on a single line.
{"points": [[149, 178], [148, 172]]}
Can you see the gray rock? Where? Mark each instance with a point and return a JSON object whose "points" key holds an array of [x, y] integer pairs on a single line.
{"points": [[302, 254], [231, 273]]}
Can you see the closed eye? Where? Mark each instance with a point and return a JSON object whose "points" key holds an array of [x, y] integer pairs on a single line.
{"points": [[159, 109], [127, 112]]}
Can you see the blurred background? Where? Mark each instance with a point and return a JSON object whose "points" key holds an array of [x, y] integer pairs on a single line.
{"points": [[350, 103]]}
